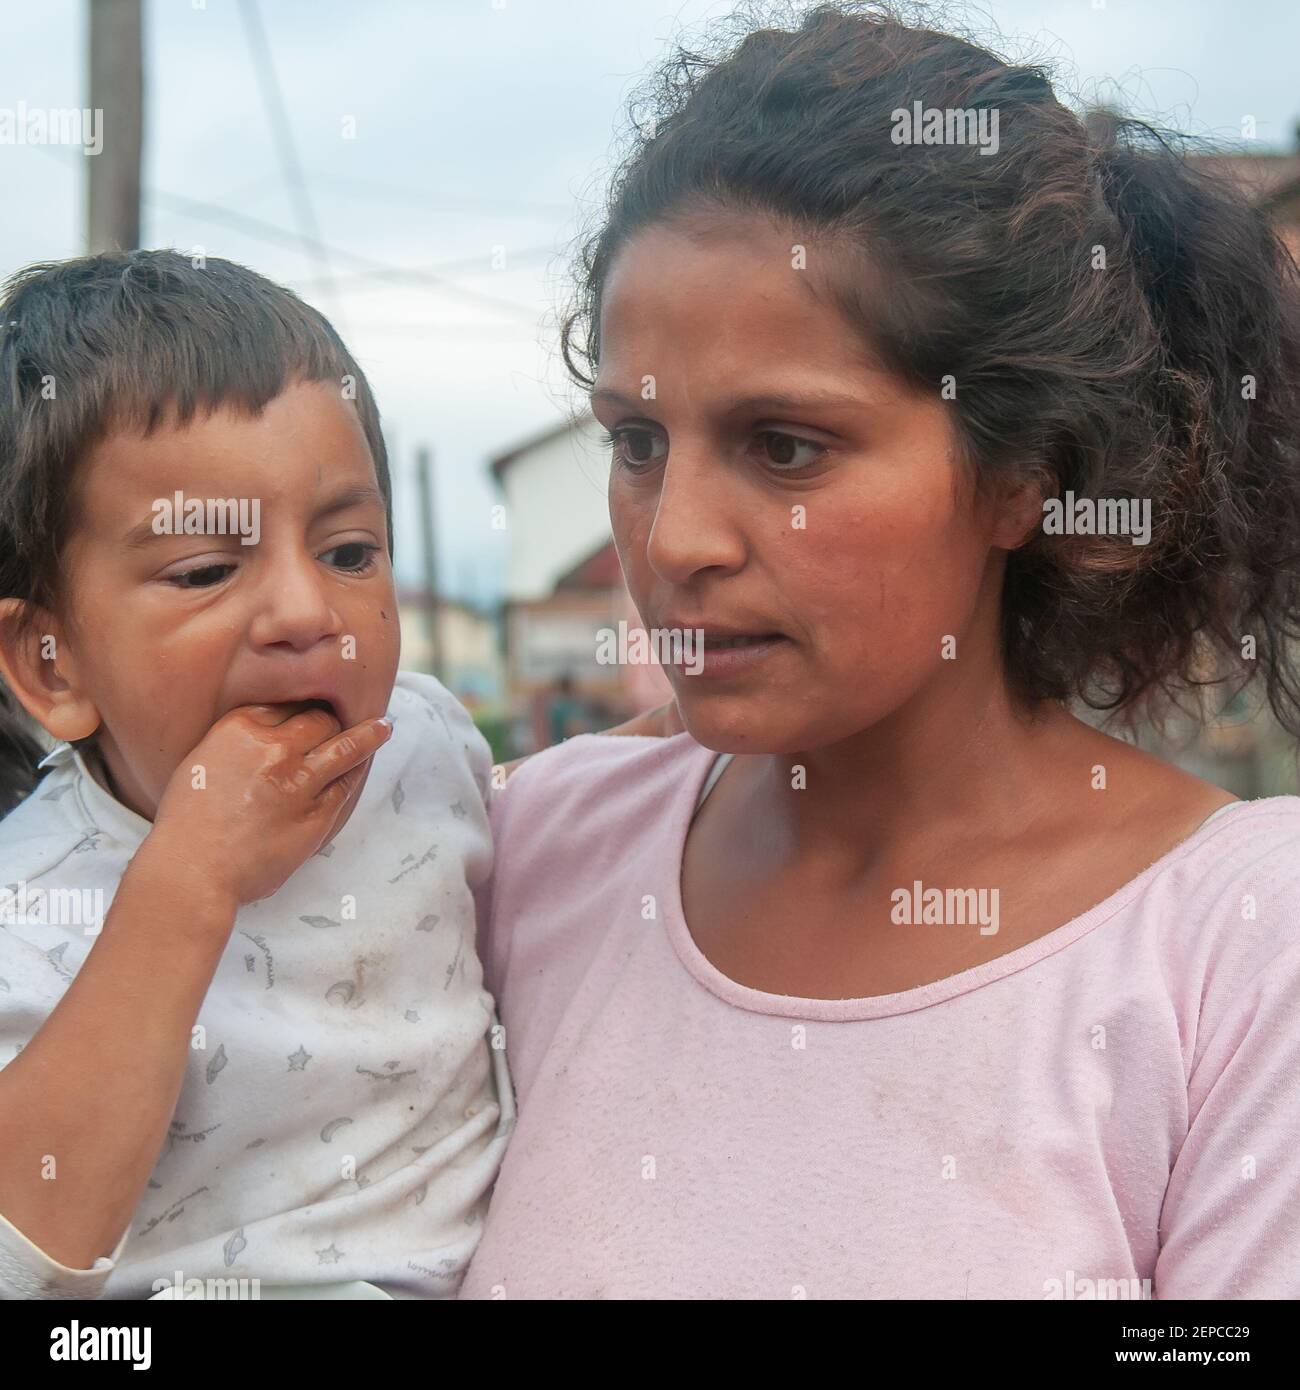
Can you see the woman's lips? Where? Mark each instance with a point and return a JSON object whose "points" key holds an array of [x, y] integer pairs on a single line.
{"points": [[736, 654]]}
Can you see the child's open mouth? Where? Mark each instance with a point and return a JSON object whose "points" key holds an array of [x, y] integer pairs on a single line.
{"points": [[321, 702], [300, 693]]}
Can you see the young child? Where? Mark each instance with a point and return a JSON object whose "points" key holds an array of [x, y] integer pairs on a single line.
{"points": [[243, 1034]]}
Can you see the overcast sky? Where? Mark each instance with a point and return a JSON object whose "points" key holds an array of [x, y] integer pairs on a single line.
{"points": [[485, 124]]}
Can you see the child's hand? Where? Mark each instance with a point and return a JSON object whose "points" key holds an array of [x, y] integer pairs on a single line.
{"points": [[277, 781]]}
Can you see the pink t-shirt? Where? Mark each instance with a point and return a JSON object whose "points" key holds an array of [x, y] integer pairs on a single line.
{"points": [[1118, 1101]]}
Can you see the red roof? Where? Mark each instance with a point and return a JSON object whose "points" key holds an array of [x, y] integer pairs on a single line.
{"points": [[600, 570]]}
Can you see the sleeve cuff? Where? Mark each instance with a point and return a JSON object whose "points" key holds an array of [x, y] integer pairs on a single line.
{"points": [[27, 1272]]}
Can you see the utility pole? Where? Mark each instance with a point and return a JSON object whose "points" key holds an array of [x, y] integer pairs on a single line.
{"points": [[424, 476], [117, 89]]}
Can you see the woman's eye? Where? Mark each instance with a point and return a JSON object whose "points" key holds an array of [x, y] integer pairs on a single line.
{"points": [[354, 556], [203, 578], [788, 453], [636, 447]]}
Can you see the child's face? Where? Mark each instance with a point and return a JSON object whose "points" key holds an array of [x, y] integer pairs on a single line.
{"points": [[836, 522], [165, 633]]}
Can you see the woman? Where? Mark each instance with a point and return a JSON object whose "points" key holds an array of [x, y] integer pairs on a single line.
{"points": [[925, 987]]}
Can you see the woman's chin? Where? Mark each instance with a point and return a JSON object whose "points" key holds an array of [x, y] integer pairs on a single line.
{"points": [[735, 730]]}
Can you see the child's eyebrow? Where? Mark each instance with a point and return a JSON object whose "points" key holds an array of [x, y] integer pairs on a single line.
{"points": [[143, 532], [350, 497]]}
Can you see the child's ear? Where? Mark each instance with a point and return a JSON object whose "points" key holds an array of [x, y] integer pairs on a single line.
{"points": [[38, 667]]}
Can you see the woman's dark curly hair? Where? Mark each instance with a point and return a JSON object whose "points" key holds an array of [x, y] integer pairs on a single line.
{"points": [[1118, 323]]}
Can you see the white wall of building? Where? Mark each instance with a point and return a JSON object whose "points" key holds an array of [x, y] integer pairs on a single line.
{"points": [[556, 510]]}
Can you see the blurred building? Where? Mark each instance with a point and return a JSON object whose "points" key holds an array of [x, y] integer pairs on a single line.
{"points": [[563, 586], [468, 650]]}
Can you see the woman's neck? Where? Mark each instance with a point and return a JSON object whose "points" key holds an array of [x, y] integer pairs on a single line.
{"points": [[926, 771]]}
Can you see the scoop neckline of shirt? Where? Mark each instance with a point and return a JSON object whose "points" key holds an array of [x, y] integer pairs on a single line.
{"points": [[924, 996]]}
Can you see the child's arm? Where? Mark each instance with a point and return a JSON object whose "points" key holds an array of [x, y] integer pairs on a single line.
{"points": [[95, 1088]]}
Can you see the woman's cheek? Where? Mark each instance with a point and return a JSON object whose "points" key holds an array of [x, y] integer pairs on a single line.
{"points": [[873, 612], [631, 527]]}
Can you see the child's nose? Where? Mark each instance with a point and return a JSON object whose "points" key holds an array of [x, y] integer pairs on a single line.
{"points": [[294, 608]]}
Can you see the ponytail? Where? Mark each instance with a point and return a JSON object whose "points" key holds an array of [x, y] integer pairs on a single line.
{"points": [[1224, 299]]}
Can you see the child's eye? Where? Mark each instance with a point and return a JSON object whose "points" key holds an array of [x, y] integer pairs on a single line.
{"points": [[202, 578], [781, 451], [356, 557], [636, 447]]}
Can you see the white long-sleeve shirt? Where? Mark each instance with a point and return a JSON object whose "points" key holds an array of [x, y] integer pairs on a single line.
{"points": [[344, 1111]]}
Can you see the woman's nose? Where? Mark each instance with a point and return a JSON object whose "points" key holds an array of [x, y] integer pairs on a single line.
{"points": [[695, 525]]}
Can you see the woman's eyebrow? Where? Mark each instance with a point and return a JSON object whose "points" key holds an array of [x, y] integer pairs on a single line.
{"points": [[765, 401], [608, 394], [802, 400]]}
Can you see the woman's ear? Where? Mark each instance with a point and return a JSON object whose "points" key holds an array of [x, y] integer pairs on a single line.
{"points": [[38, 666], [1020, 510]]}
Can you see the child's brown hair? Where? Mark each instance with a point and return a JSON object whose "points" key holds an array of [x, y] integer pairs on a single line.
{"points": [[122, 340]]}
